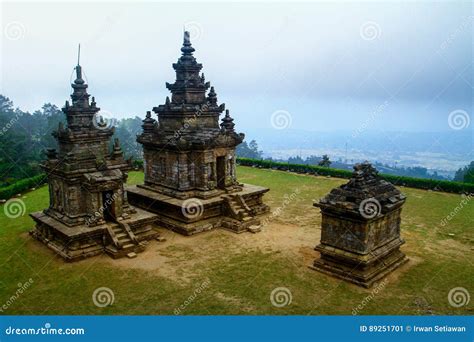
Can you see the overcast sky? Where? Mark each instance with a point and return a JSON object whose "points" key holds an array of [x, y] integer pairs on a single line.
{"points": [[322, 66]]}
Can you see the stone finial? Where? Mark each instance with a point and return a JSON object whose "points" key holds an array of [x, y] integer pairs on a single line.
{"points": [[51, 153], [79, 79], [80, 97], [149, 123], [227, 122], [187, 48], [117, 144], [212, 97]]}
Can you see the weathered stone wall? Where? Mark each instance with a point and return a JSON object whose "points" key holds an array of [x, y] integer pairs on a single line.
{"points": [[184, 171], [359, 236]]}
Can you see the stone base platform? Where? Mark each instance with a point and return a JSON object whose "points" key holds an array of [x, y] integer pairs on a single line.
{"points": [[235, 211], [363, 270], [78, 242]]}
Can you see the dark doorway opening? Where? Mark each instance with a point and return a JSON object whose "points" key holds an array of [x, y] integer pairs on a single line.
{"points": [[108, 203], [220, 168]]}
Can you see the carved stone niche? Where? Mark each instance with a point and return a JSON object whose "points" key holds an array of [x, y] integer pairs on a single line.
{"points": [[360, 235]]}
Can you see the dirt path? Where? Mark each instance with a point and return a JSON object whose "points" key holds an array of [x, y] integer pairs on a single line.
{"points": [[179, 258]]}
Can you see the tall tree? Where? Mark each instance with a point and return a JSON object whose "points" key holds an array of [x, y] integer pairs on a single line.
{"points": [[249, 150], [325, 162]]}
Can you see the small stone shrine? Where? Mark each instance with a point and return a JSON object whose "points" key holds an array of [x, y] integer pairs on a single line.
{"points": [[360, 237], [88, 212], [189, 160]]}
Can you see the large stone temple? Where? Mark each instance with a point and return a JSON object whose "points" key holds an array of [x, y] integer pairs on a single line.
{"points": [[89, 213], [189, 159], [360, 236]]}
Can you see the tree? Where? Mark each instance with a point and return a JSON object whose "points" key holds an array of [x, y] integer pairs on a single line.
{"points": [[465, 174], [126, 131], [250, 150], [325, 162], [313, 160], [295, 160]]}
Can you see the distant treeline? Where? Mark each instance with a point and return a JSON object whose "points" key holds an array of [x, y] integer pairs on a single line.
{"points": [[420, 183]]}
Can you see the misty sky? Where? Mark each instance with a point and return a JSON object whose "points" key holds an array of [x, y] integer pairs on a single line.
{"points": [[392, 66]]}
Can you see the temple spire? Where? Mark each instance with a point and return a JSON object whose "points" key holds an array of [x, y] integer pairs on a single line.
{"points": [[187, 48], [80, 97], [79, 79]]}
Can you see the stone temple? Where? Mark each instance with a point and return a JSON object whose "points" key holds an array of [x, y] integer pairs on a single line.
{"points": [[189, 159], [360, 237], [89, 213]]}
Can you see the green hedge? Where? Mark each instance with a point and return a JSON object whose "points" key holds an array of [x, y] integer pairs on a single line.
{"points": [[419, 183], [22, 185]]}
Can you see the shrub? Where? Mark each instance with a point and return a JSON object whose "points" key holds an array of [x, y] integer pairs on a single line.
{"points": [[138, 164], [22, 185]]}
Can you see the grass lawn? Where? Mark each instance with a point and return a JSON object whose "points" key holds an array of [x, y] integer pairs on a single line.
{"points": [[219, 272]]}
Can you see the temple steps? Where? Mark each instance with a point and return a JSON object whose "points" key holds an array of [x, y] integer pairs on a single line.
{"points": [[124, 243], [241, 218]]}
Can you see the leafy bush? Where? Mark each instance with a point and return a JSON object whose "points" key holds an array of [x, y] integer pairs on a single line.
{"points": [[22, 185], [138, 164], [419, 183]]}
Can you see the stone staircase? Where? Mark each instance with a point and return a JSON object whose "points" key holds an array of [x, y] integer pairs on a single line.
{"points": [[239, 215], [124, 242]]}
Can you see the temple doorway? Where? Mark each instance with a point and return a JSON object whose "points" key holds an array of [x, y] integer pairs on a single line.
{"points": [[220, 168], [108, 203]]}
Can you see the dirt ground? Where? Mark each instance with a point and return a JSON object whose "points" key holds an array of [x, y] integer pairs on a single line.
{"points": [[180, 258]]}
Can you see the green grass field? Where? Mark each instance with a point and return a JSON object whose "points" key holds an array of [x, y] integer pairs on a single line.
{"points": [[219, 272]]}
